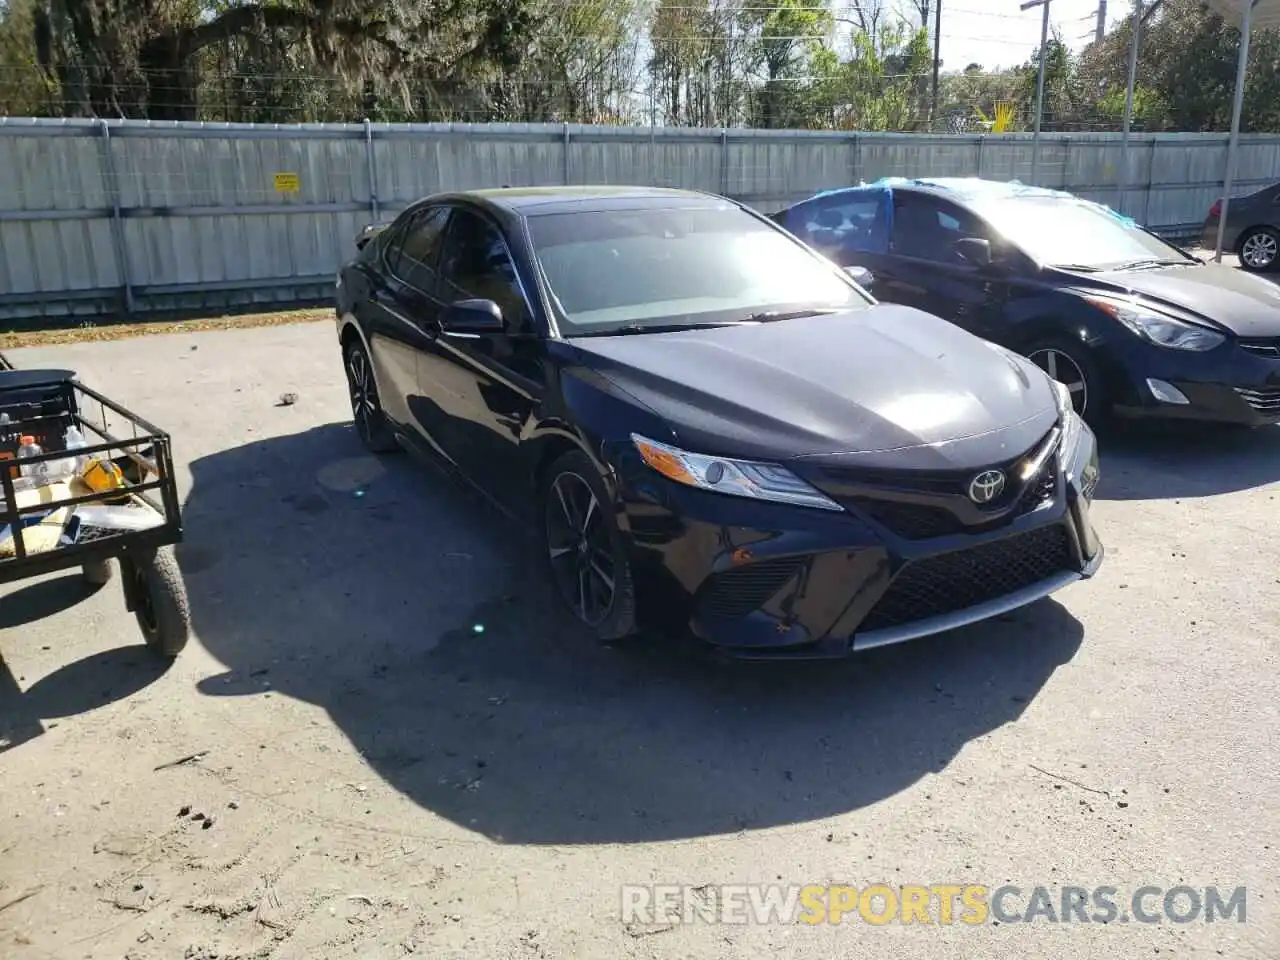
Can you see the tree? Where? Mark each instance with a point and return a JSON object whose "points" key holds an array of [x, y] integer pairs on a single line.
{"points": [[1186, 71], [790, 35], [23, 90], [882, 85], [702, 55], [581, 65], [143, 57], [970, 100], [1066, 105]]}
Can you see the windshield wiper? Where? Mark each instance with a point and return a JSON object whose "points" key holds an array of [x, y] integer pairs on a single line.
{"points": [[770, 316], [1077, 267], [631, 329], [1152, 262]]}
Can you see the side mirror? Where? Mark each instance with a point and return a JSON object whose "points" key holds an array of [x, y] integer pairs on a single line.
{"points": [[472, 318], [974, 250], [861, 276]]}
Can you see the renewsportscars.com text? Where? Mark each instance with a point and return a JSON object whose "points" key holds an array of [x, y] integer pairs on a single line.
{"points": [[945, 904]]}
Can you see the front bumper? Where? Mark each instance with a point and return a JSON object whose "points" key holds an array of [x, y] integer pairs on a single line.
{"points": [[1237, 383], [767, 581]]}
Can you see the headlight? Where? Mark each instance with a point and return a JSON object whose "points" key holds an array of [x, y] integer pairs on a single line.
{"points": [[1163, 331], [1063, 396], [739, 478], [1070, 421]]}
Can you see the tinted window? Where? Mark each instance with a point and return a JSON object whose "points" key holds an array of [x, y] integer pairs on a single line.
{"points": [[476, 264], [841, 223], [609, 268], [927, 229], [414, 261]]}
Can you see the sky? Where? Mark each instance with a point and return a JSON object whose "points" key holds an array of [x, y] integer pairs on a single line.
{"points": [[995, 33]]}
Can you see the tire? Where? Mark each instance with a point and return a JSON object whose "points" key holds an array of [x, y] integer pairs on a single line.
{"points": [[98, 572], [586, 553], [366, 408], [1069, 363], [159, 601], [1259, 249]]}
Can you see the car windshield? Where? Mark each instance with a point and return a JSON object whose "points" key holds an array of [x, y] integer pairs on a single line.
{"points": [[1070, 232], [653, 269]]}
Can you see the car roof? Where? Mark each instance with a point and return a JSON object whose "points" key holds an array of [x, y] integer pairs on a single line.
{"points": [[960, 189], [535, 201]]}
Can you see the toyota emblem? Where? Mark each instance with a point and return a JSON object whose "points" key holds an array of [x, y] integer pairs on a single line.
{"points": [[986, 486]]}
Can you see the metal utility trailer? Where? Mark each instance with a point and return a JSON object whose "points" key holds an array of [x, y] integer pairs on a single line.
{"points": [[43, 404]]}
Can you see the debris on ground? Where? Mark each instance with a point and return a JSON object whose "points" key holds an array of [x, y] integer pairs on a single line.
{"points": [[182, 761]]}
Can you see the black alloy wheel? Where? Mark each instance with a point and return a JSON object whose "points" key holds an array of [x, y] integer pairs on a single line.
{"points": [[366, 409], [585, 549]]}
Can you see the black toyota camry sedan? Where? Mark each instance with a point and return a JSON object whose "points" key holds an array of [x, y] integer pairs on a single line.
{"points": [[1132, 325], [710, 425]]}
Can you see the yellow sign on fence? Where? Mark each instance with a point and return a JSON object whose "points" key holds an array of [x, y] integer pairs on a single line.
{"points": [[288, 183]]}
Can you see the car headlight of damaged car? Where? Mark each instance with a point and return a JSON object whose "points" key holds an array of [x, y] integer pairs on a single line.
{"points": [[738, 478], [1158, 328]]}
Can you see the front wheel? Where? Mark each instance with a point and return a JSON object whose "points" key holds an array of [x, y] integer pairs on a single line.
{"points": [[1070, 364], [1259, 249], [585, 549]]}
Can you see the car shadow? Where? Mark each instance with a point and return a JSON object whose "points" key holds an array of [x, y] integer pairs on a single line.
{"points": [[412, 614], [1172, 461]]}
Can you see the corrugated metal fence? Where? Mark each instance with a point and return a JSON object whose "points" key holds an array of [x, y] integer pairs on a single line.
{"points": [[101, 217]]}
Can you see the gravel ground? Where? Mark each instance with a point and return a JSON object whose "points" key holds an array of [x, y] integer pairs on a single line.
{"points": [[404, 750]]}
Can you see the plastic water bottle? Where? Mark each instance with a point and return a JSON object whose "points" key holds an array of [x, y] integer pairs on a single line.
{"points": [[72, 441], [29, 448]]}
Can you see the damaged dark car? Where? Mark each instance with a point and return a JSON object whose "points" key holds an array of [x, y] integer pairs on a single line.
{"points": [[710, 425]]}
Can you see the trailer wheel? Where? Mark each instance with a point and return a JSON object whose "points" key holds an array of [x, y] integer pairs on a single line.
{"points": [[98, 572], [155, 592]]}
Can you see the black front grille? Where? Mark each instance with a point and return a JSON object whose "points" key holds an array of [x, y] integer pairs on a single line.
{"points": [[1265, 400], [1263, 348], [945, 482], [899, 499], [966, 578], [915, 521], [737, 592]]}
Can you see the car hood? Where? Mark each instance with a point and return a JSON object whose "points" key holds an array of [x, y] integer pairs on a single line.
{"points": [[1244, 304], [887, 385]]}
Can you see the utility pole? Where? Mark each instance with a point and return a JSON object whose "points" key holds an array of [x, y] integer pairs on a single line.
{"points": [[1044, 41], [1132, 81], [1242, 70], [1100, 33], [937, 61]]}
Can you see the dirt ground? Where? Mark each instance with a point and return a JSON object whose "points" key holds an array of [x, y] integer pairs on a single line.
{"points": [[403, 749]]}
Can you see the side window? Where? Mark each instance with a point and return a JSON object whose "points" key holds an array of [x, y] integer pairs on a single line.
{"points": [[926, 229], [414, 261], [476, 264], [845, 223]]}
